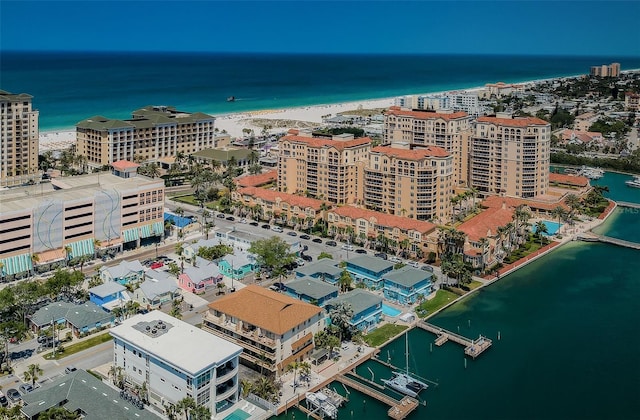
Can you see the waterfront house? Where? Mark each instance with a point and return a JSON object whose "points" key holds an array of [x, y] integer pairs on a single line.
{"points": [[325, 270], [406, 285], [198, 277], [273, 329], [368, 269], [311, 290], [237, 266], [108, 295], [367, 308], [157, 288], [127, 272]]}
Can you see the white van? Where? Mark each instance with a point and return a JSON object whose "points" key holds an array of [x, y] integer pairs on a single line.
{"points": [[277, 229]]}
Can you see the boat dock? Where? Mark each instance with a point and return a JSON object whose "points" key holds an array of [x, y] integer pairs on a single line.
{"points": [[308, 412], [472, 348], [593, 237], [334, 398], [399, 408], [628, 205]]}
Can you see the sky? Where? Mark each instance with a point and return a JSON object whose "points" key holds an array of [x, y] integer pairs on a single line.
{"points": [[596, 28]]}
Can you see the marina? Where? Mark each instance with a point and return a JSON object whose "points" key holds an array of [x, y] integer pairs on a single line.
{"points": [[472, 348]]}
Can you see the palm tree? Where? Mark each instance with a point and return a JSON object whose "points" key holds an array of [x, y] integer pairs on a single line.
{"points": [[345, 281], [340, 316], [559, 213], [185, 405], [32, 373], [541, 229], [55, 413], [293, 366], [573, 202], [245, 386], [67, 252]]}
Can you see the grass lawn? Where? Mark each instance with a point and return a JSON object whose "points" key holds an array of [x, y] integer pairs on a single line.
{"points": [[442, 298], [78, 347], [529, 247], [383, 334], [188, 199]]}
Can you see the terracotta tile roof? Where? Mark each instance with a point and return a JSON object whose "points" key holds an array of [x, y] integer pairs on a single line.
{"points": [[265, 309], [579, 181], [487, 223], [124, 164], [415, 154], [425, 115], [513, 122], [272, 196], [583, 136], [495, 202], [257, 180], [321, 142], [384, 219]]}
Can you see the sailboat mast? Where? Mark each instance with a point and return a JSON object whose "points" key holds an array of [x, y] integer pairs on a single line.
{"points": [[406, 352]]}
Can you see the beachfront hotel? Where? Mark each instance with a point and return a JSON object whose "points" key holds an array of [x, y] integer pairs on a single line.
{"points": [[69, 217], [273, 329], [445, 129], [330, 169], [151, 134], [176, 360], [611, 70], [19, 133], [510, 156], [416, 183]]}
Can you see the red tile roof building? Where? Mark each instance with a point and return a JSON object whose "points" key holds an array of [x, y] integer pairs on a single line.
{"points": [[416, 183], [510, 156], [330, 169], [258, 180], [428, 128]]}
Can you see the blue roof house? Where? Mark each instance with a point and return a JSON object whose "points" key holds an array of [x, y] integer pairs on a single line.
{"points": [[311, 290], [237, 266], [406, 284], [107, 292], [127, 272], [158, 287], [325, 270], [367, 308], [370, 270]]}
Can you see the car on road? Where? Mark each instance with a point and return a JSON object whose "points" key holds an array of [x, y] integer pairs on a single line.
{"points": [[361, 251], [3, 400], [230, 218], [157, 264], [265, 226], [427, 268], [300, 262], [307, 258], [220, 216], [317, 240], [292, 233], [243, 220], [346, 247], [413, 264], [25, 388], [254, 224], [70, 369], [13, 395], [305, 236], [332, 243], [395, 259], [381, 255], [277, 229]]}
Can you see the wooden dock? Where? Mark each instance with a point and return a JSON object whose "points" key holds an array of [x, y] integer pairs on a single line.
{"points": [[308, 412], [399, 409], [593, 237], [472, 348], [627, 204]]}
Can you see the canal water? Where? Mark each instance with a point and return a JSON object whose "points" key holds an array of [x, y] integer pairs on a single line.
{"points": [[569, 341]]}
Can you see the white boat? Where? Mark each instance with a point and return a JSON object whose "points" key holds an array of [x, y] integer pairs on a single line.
{"points": [[319, 401], [403, 382], [633, 183], [591, 173]]}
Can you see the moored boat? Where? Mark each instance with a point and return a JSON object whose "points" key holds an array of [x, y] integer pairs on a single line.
{"points": [[633, 183], [403, 382], [231, 99]]}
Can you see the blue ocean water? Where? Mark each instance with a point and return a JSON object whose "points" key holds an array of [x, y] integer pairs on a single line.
{"points": [[68, 87]]}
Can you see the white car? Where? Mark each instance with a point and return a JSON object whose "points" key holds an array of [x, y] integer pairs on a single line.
{"points": [[300, 262], [277, 229], [395, 259], [347, 247], [413, 264]]}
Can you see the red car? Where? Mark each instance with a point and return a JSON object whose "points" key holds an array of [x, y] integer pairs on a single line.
{"points": [[157, 264]]}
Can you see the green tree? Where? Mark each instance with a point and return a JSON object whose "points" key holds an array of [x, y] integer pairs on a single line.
{"points": [[541, 230], [325, 255], [57, 413], [215, 252], [32, 373], [186, 405], [340, 316], [345, 281], [175, 309], [272, 253]]}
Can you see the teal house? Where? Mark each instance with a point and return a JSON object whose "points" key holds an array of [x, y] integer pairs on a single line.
{"points": [[127, 272], [310, 290], [405, 285], [367, 308], [237, 266], [368, 270], [325, 270]]}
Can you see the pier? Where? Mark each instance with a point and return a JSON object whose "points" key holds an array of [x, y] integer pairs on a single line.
{"points": [[593, 237], [309, 412], [472, 348], [628, 205], [399, 408]]}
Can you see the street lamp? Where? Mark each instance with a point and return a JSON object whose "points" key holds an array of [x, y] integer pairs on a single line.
{"points": [[157, 250]]}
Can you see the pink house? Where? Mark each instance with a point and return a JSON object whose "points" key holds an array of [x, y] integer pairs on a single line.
{"points": [[200, 276]]}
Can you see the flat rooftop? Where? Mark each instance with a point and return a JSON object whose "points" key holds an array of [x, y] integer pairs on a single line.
{"points": [[180, 344], [70, 188]]}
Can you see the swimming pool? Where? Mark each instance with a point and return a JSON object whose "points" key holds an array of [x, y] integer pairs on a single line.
{"points": [[238, 414], [390, 311], [552, 227]]}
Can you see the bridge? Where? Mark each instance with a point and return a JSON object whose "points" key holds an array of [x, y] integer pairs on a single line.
{"points": [[627, 204], [593, 237], [472, 348]]}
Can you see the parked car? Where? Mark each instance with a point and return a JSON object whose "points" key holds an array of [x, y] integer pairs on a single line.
{"points": [[243, 220], [395, 259], [220, 215], [70, 369], [317, 240], [361, 251], [254, 224], [292, 233], [307, 258], [346, 247], [25, 388], [3, 400], [265, 226], [230, 218], [300, 262], [427, 268], [381, 255], [277, 229], [305, 236], [413, 264], [13, 395], [157, 264], [332, 243]]}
